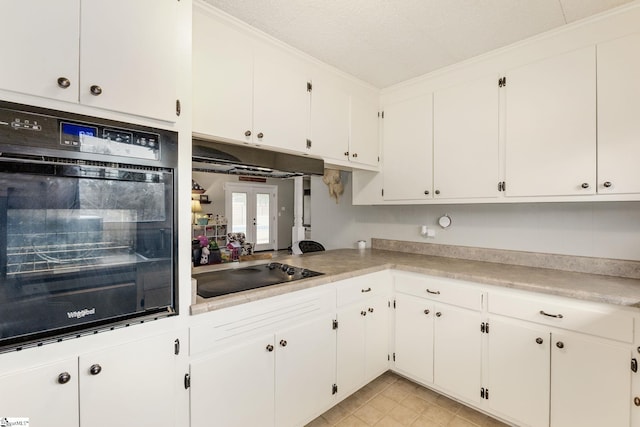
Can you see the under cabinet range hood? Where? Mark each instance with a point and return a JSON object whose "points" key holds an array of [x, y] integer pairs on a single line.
{"points": [[218, 157]]}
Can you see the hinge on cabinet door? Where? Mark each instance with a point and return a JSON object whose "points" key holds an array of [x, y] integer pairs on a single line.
{"points": [[381, 114], [502, 186], [484, 393], [187, 381], [308, 143], [176, 347], [335, 324], [394, 303], [634, 365], [309, 86], [334, 389], [383, 192], [178, 107], [484, 327], [394, 356], [502, 82]]}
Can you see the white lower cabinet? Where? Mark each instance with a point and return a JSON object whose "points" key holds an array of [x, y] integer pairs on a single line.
{"points": [[439, 344], [226, 383], [134, 382], [363, 343], [413, 352], [542, 376], [266, 363], [305, 371], [47, 395], [276, 379]]}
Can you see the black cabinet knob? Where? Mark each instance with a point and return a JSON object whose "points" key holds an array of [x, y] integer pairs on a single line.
{"points": [[427, 312], [370, 310], [269, 347], [64, 378], [96, 90], [438, 314], [560, 344], [363, 313], [247, 133], [64, 82], [426, 192], [260, 135], [585, 185], [95, 369], [283, 343], [607, 184], [437, 191], [539, 340]]}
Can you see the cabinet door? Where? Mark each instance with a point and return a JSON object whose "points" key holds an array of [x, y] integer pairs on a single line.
{"points": [[41, 395], [222, 385], [414, 337], [590, 381], [551, 126], [281, 101], [130, 51], [377, 337], [364, 144], [351, 347], [136, 382], [407, 148], [222, 79], [618, 112], [465, 140], [305, 371], [329, 120], [519, 369], [41, 32], [457, 351]]}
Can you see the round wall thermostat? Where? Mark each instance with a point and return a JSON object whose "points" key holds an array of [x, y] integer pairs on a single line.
{"points": [[444, 221]]}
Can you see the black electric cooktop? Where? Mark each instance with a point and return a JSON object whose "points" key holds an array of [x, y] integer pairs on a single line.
{"points": [[222, 282]]}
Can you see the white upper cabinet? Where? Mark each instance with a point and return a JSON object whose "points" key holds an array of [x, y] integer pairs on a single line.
{"points": [[129, 56], [466, 140], [330, 106], [364, 145], [407, 149], [117, 55], [281, 100], [36, 38], [222, 80], [551, 126], [618, 116]]}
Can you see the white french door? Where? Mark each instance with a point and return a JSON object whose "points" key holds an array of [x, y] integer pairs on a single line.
{"points": [[251, 209]]}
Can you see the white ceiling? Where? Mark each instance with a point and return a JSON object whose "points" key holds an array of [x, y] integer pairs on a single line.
{"points": [[384, 42]]}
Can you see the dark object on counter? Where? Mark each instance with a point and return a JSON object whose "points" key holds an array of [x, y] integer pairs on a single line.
{"points": [[222, 282], [310, 246]]}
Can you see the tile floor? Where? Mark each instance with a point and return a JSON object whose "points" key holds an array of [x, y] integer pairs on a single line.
{"points": [[393, 401]]}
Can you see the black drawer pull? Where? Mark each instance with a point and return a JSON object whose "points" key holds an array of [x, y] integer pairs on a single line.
{"points": [[433, 292], [557, 316], [366, 290]]}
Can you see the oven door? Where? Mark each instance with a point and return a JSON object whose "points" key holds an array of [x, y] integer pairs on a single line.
{"points": [[82, 246]]}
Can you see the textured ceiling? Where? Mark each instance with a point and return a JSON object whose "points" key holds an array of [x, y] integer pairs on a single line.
{"points": [[385, 42]]}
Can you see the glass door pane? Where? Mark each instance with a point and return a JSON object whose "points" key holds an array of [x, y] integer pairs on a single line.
{"points": [[239, 212], [263, 225]]}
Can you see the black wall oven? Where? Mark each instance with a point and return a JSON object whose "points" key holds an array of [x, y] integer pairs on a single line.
{"points": [[87, 225]]}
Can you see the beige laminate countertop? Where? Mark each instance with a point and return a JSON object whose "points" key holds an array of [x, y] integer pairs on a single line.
{"points": [[343, 264]]}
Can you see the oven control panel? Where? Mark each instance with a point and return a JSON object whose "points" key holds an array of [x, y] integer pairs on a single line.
{"points": [[79, 134]]}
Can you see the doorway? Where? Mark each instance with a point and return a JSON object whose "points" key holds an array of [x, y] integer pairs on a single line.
{"points": [[251, 209]]}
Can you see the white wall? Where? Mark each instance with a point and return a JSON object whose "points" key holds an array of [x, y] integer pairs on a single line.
{"points": [[213, 183], [595, 229]]}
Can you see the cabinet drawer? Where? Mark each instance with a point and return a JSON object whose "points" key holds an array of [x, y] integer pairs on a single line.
{"points": [[363, 287], [440, 289], [590, 318]]}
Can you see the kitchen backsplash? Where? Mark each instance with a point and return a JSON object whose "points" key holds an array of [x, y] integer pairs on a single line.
{"points": [[604, 266]]}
